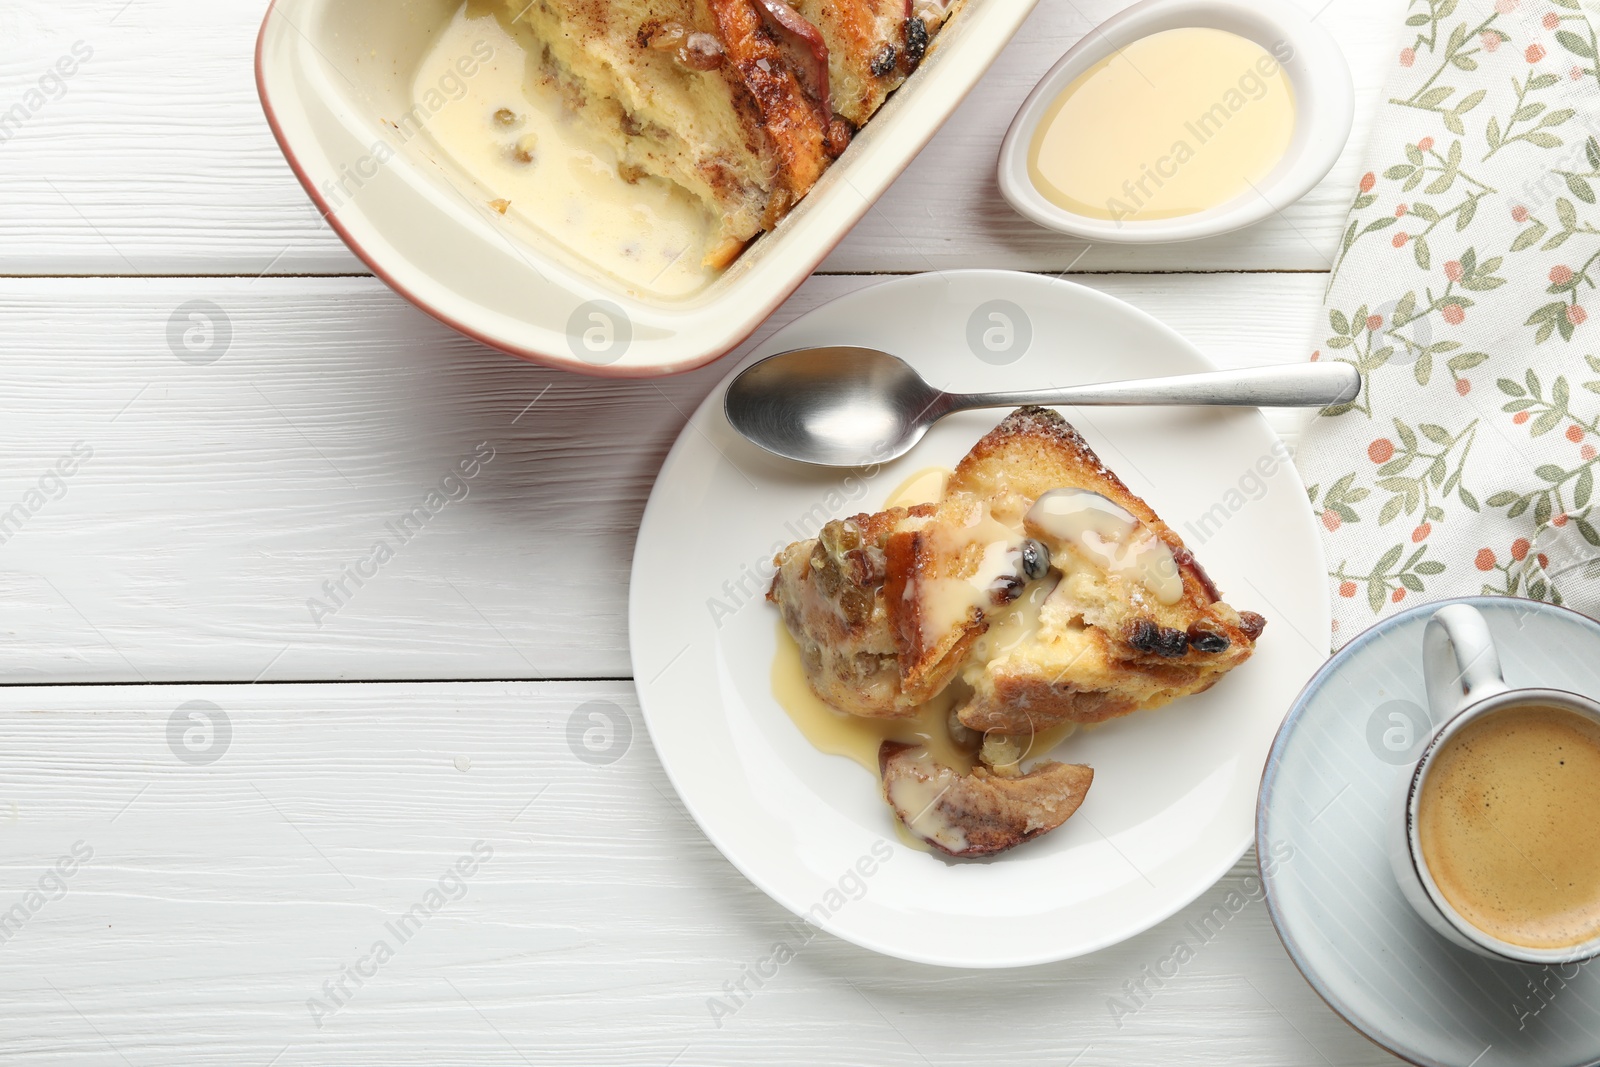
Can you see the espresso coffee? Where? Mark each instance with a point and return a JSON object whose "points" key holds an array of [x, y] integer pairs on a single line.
{"points": [[1509, 823]]}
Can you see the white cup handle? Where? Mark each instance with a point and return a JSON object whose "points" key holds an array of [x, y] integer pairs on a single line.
{"points": [[1459, 662]]}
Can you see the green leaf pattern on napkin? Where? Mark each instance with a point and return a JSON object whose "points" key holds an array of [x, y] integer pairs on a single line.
{"points": [[1461, 288]]}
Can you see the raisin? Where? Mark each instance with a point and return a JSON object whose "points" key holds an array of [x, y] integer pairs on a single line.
{"points": [[826, 570], [856, 604], [883, 62], [1005, 589], [916, 34], [840, 536], [1205, 640], [1035, 560], [867, 565], [1146, 636]]}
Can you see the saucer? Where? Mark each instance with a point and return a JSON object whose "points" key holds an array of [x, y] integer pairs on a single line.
{"points": [[1352, 735]]}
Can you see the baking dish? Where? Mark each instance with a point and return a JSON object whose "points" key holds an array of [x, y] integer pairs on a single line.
{"points": [[334, 75]]}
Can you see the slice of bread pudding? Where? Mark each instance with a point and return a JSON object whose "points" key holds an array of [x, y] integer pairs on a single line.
{"points": [[1039, 585], [1132, 621], [744, 103]]}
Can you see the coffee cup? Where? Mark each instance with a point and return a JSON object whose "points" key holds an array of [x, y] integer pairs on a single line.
{"points": [[1495, 840]]}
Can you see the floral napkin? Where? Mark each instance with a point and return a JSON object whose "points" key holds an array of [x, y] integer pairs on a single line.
{"points": [[1462, 288]]}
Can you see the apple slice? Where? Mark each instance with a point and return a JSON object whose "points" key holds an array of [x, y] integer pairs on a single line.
{"points": [[981, 813]]}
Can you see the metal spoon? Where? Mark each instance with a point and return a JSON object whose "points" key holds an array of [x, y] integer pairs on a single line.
{"points": [[848, 407]]}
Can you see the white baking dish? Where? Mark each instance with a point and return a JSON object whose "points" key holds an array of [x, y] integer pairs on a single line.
{"points": [[334, 75]]}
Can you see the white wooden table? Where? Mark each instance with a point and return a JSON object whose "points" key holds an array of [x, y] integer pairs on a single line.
{"points": [[334, 774]]}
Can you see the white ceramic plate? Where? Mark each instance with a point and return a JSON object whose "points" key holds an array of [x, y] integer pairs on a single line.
{"points": [[334, 78], [1174, 792]]}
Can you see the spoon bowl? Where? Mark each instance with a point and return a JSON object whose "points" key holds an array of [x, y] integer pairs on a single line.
{"points": [[839, 406], [843, 406]]}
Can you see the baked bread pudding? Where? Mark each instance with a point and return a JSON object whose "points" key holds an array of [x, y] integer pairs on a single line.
{"points": [[1040, 591], [743, 103]]}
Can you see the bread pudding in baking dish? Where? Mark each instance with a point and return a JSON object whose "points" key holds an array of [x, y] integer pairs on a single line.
{"points": [[743, 103], [1036, 593]]}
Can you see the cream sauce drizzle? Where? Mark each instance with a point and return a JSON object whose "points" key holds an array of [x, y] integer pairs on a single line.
{"points": [[1018, 624], [1111, 537], [919, 798], [949, 603]]}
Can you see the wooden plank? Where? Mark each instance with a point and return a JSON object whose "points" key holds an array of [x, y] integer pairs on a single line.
{"points": [[213, 896], [219, 498], [154, 158]]}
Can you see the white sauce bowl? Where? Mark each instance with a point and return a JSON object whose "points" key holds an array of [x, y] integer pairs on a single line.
{"points": [[1324, 104]]}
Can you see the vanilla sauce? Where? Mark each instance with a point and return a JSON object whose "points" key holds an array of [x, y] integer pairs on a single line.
{"points": [[1172, 124], [537, 164]]}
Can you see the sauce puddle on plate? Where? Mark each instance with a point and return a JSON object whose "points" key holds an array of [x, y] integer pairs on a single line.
{"points": [[926, 486], [531, 159], [1173, 124]]}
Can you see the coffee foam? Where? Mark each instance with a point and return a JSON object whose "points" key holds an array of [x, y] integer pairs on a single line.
{"points": [[1509, 824]]}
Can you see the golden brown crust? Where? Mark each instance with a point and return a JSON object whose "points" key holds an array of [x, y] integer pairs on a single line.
{"points": [[1131, 652], [1034, 450], [867, 51], [791, 119], [926, 665]]}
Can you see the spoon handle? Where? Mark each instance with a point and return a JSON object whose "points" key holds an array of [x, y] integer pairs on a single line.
{"points": [[1299, 385]]}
